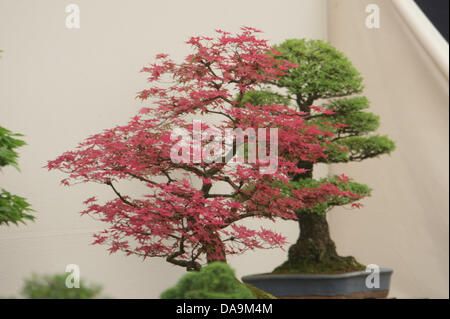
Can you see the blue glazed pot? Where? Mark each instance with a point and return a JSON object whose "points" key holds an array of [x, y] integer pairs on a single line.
{"points": [[346, 285]]}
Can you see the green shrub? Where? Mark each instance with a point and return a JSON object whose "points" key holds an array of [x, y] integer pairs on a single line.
{"points": [[215, 281], [54, 287]]}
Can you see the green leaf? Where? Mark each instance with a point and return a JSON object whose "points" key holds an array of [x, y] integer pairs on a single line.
{"points": [[8, 144], [14, 209]]}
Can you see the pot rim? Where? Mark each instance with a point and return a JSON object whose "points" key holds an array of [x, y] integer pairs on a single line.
{"points": [[362, 273]]}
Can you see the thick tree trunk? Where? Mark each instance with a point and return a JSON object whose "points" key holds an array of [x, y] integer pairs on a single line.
{"points": [[216, 256], [315, 251], [216, 252], [212, 258], [314, 242]]}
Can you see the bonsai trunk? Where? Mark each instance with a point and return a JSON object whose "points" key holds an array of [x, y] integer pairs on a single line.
{"points": [[216, 252], [314, 242], [315, 251], [216, 256]]}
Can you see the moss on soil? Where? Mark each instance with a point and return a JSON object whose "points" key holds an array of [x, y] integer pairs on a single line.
{"points": [[330, 265], [260, 294]]}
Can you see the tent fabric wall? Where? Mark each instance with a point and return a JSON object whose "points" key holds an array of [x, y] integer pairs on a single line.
{"points": [[404, 225]]}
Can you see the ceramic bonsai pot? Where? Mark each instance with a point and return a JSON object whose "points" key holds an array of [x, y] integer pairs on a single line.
{"points": [[335, 286]]}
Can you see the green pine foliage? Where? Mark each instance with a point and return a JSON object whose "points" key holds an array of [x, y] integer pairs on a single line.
{"points": [[358, 148], [322, 72], [214, 281], [354, 187], [13, 208], [263, 98]]}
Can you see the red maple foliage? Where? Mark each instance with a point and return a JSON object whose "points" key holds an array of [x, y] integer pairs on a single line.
{"points": [[176, 220]]}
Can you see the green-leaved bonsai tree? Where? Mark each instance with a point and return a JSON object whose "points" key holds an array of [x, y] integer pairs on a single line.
{"points": [[13, 208], [326, 76]]}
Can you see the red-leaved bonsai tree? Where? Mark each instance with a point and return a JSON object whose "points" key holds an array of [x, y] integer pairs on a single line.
{"points": [[184, 217]]}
